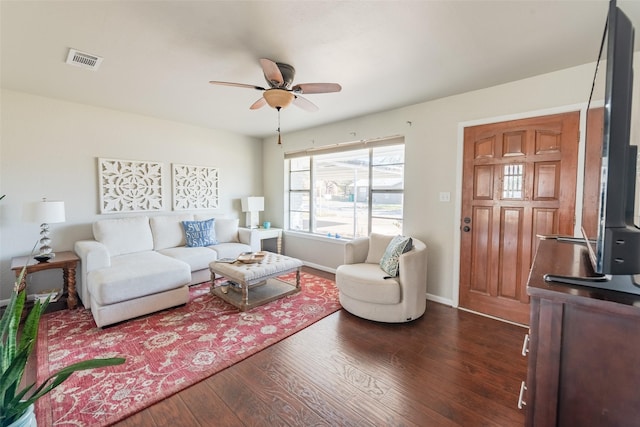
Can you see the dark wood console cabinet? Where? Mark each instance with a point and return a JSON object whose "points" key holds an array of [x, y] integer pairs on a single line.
{"points": [[583, 347]]}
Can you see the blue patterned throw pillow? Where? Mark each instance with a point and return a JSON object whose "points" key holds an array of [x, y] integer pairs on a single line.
{"points": [[391, 259], [200, 233]]}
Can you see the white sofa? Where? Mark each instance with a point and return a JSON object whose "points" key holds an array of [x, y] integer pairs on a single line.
{"points": [[138, 265]]}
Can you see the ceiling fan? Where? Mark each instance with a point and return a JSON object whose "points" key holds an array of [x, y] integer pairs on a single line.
{"points": [[280, 94]]}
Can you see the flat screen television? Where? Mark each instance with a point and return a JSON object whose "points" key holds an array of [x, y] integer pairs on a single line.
{"points": [[614, 241]]}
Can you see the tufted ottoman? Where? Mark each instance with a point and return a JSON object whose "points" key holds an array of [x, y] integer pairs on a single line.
{"points": [[259, 277]]}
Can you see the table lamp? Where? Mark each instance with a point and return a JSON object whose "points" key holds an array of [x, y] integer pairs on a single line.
{"points": [[252, 205], [47, 212]]}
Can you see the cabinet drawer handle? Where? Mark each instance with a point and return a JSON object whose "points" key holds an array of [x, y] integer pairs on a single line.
{"points": [[521, 402], [525, 345]]}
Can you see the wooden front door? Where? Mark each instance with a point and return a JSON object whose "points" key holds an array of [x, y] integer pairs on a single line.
{"points": [[519, 181]]}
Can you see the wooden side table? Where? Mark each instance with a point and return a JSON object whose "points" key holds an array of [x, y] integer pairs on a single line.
{"points": [[67, 261]]}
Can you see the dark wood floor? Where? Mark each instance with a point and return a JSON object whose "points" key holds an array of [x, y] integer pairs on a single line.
{"points": [[448, 368]]}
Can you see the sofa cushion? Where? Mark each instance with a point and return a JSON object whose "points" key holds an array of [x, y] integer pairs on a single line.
{"points": [[135, 275], [167, 230], [200, 233], [227, 230], [124, 235], [230, 250], [197, 258], [366, 282], [377, 245], [391, 258]]}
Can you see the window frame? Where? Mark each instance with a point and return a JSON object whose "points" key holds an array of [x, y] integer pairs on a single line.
{"points": [[310, 192]]}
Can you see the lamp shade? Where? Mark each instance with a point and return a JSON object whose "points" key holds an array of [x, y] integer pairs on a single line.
{"points": [[252, 204], [48, 212]]}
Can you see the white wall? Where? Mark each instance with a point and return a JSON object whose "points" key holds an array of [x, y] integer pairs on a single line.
{"points": [[49, 148], [432, 162]]}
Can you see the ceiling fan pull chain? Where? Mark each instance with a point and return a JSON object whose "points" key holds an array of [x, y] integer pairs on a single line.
{"points": [[279, 138]]}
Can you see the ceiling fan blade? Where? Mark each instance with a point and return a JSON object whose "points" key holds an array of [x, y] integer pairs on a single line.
{"points": [[272, 72], [317, 88], [258, 104], [213, 82], [305, 104]]}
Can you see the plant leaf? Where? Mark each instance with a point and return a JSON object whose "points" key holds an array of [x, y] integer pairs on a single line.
{"points": [[10, 323], [59, 377], [10, 378], [30, 330]]}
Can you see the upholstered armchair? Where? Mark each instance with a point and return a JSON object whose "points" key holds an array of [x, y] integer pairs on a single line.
{"points": [[367, 291]]}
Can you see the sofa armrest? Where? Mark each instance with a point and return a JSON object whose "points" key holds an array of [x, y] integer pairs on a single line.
{"points": [[250, 237], [93, 255], [356, 250]]}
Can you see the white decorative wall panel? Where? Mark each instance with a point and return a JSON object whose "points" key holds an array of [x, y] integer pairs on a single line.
{"points": [[130, 186], [195, 187]]}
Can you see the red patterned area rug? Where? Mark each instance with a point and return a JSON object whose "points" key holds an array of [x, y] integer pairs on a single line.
{"points": [[166, 352]]}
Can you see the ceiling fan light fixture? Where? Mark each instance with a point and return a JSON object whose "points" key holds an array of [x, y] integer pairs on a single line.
{"points": [[278, 98], [280, 93]]}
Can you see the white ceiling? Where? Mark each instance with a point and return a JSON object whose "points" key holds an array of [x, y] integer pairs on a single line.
{"points": [[160, 55]]}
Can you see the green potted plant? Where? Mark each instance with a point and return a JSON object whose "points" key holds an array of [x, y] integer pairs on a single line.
{"points": [[16, 403]]}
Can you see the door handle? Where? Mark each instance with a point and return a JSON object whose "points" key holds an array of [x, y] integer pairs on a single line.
{"points": [[466, 229], [521, 402]]}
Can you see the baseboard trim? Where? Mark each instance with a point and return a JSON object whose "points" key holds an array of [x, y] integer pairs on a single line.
{"points": [[440, 300], [319, 267], [494, 317]]}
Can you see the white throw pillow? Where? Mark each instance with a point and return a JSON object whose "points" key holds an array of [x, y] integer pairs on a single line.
{"points": [[226, 230], [377, 245], [124, 235], [168, 231]]}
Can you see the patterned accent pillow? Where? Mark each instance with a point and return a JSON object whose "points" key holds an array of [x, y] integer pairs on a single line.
{"points": [[200, 233], [391, 259]]}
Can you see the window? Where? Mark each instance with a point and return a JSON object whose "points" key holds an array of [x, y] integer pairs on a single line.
{"points": [[347, 191], [512, 181], [299, 193]]}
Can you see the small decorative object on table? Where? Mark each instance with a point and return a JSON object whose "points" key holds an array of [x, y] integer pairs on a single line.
{"points": [[43, 258], [227, 260], [252, 257]]}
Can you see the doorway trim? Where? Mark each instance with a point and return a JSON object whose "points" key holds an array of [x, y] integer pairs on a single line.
{"points": [[581, 107]]}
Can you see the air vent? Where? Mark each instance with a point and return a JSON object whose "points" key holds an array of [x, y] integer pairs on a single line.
{"points": [[83, 60]]}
